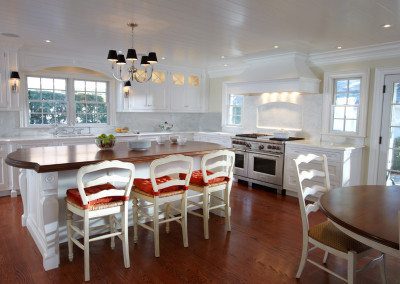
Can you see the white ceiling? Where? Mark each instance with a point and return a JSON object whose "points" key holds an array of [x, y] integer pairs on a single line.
{"points": [[197, 32]]}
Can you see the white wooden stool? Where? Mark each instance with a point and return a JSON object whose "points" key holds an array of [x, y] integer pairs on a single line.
{"points": [[216, 175], [163, 187], [98, 198]]}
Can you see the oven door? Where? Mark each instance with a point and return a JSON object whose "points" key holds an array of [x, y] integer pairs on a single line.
{"points": [[266, 168], [241, 163]]}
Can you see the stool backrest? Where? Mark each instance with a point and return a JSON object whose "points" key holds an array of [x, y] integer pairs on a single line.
{"points": [[314, 190], [111, 176], [220, 163], [171, 166]]}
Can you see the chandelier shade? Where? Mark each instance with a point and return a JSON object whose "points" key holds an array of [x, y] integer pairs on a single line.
{"points": [[127, 84], [131, 55], [121, 59], [112, 55], [144, 61], [152, 58]]}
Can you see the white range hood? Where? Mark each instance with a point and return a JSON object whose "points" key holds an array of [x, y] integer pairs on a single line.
{"points": [[276, 74]]}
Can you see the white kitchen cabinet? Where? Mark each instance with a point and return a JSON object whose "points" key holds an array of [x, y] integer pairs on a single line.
{"points": [[186, 92], [344, 164]]}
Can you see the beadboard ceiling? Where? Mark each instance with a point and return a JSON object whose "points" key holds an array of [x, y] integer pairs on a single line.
{"points": [[197, 32]]}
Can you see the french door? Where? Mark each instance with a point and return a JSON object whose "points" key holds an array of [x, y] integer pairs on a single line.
{"points": [[389, 150]]}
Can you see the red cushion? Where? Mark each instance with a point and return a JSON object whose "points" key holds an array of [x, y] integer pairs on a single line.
{"points": [[146, 186], [197, 178], [74, 196]]}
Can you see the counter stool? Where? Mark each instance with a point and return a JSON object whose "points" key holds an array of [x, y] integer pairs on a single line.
{"points": [[216, 175], [99, 197], [163, 187]]}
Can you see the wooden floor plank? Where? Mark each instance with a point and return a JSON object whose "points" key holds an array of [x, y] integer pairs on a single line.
{"points": [[263, 247]]}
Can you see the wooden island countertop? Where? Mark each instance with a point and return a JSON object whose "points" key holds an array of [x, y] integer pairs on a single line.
{"points": [[62, 158]]}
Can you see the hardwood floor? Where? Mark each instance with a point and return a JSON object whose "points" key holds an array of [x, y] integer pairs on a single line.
{"points": [[263, 247]]}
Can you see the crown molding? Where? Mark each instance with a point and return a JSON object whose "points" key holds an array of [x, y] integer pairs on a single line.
{"points": [[371, 52]]}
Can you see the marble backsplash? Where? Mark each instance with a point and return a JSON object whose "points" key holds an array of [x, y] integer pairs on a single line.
{"points": [[143, 122]]}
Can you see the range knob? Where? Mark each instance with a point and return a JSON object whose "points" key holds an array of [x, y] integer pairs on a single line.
{"points": [[248, 145], [261, 147], [269, 147]]}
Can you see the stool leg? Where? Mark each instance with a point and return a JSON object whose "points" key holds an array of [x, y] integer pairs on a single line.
{"points": [[86, 245], [167, 212], [206, 212], [69, 233], [112, 230], [227, 206], [124, 237], [135, 210], [156, 229], [184, 219]]}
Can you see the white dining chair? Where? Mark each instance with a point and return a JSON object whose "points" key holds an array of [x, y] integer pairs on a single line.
{"points": [[162, 188], [106, 194], [325, 235], [214, 177]]}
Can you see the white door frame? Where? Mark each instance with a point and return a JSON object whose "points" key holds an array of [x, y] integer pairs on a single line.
{"points": [[376, 121]]}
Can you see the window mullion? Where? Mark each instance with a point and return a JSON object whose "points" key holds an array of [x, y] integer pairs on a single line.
{"points": [[71, 112]]}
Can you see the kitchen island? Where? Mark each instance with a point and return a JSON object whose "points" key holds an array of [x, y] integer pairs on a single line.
{"points": [[47, 172]]}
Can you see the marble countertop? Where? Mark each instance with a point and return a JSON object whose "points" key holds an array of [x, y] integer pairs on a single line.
{"points": [[324, 145]]}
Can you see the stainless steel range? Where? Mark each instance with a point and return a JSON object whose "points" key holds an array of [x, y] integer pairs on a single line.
{"points": [[259, 159]]}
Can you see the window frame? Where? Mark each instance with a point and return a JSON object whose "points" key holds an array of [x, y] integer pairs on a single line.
{"points": [[70, 93], [229, 110], [329, 97]]}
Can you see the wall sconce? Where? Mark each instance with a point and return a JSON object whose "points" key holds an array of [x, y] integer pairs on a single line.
{"points": [[127, 88], [14, 80]]}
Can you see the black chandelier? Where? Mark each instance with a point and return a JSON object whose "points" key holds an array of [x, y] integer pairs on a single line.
{"points": [[122, 74]]}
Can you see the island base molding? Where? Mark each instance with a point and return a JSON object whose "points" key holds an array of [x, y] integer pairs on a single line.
{"points": [[39, 192]]}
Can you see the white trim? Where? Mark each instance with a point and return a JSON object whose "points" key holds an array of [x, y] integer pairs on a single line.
{"points": [[228, 107], [370, 52], [329, 78], [376, 120]]}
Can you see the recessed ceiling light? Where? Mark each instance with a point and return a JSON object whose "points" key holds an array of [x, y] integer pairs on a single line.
{"points": [[338, 47], [119, 51], [276, 46], [222, 56], [9, 35], [47, 41], [386, 26], [163, 58], [226, 65]]}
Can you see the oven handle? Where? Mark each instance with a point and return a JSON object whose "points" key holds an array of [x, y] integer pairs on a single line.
{"points": [[273, 155]]}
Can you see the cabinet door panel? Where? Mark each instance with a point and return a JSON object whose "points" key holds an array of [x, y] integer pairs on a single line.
{"points": [[138, 97]]}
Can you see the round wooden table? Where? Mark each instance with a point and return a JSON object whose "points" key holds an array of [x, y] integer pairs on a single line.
{"points": [[368, 213]]}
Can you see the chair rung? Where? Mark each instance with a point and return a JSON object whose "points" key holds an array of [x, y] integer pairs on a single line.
{"points": [[105, 236], [216, 207], [327, 270], [195, 214], [169, 220], [146, 226], [77, 230], [194, 195], [78, 243]]}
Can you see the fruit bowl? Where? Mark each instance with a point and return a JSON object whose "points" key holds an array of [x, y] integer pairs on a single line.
{"points": [[105, 142]]}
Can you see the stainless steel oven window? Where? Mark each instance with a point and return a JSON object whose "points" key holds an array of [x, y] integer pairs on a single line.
{"points": [[239, 161], [265, 166]]}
